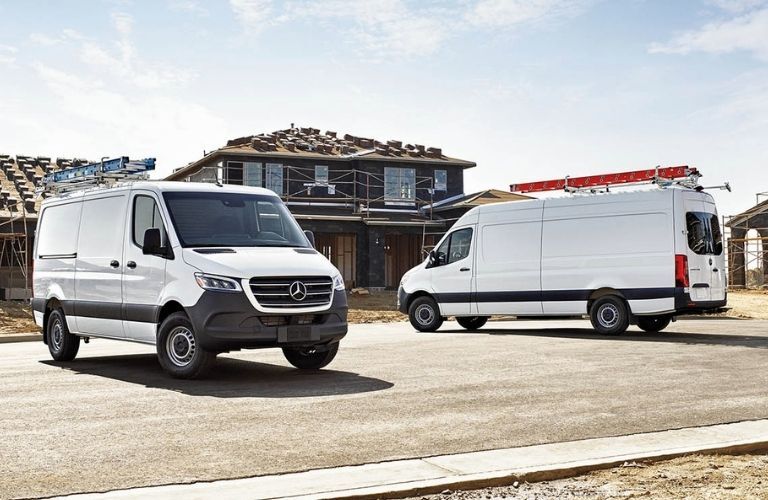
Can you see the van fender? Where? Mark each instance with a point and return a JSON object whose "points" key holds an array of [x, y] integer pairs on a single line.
{"points": [[45, 306], [602, 292], [405, 299]]}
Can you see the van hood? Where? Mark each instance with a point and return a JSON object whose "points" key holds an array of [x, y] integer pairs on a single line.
{"points": [[247, 262]]}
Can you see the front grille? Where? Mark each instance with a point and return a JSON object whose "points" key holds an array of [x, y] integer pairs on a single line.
{"points": [[300, 319], [276, 292]]}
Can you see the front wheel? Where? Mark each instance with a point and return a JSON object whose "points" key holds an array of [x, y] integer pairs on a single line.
{"points": [[311, 358], [653, 324], [609, 315], [178, 350], [472, 322], [425, 315], [62, 345]]}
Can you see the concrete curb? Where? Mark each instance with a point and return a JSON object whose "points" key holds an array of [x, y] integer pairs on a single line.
{"points": [[420, 476], [20, 337]]}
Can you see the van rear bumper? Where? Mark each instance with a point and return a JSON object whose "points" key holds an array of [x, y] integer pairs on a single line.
{"points": [[684, 304], [228, 321]]}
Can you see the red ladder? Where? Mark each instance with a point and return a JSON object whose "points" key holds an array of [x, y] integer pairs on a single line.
{"points": [[603, 180]]}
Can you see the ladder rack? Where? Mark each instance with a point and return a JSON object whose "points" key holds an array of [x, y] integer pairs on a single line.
{"points": [[666, 176], [95, 174]]}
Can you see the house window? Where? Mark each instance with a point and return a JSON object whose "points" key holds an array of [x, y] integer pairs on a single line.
{"points": [[206, 174], [321, 175], [441, 180], [399, 184], [252, 173], [234, 173], [275, 178]]}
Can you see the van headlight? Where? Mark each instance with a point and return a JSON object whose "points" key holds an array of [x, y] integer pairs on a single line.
{"points": [[217, 283], [338, 281]]}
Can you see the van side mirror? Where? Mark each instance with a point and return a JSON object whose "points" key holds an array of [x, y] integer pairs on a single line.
{"points": [[432, 259], [152, 244], [311, 237]]}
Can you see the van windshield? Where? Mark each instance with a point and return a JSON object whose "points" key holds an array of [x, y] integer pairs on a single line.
{"points": [[232, 219]]}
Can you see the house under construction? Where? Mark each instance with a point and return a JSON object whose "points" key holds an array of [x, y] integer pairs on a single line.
{"points": [[747, 252], [375, 207], [19, 208]]}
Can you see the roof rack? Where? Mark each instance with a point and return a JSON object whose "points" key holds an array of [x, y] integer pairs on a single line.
{"points": [[661, 176], [104, 173]]}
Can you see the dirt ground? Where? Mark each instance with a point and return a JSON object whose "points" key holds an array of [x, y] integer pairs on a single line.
{"points": [[695, 476], [16, 317], [381, 307]]}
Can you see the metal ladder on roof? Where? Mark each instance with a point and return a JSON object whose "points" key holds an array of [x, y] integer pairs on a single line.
{"points": [[104, 173]]}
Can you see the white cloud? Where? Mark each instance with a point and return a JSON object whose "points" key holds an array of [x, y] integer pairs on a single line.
{"points": [[509, 13], [7, 54], [737, 6], [746, 32], [189, 6], [147, 122], [254, 14]]}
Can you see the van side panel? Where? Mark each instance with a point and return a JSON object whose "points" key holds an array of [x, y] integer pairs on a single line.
{"points": [[55, 251], [508, 265], [626, 246], [98, 272]]}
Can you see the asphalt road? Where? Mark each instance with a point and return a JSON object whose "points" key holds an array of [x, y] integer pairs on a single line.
{"points": [[112, 419]]}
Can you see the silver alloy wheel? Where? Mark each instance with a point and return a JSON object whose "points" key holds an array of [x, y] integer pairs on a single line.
{"points": [[181, 346], [425, 315], [57, 334], [608, 315]]}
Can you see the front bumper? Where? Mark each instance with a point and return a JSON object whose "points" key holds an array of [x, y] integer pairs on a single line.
{"points": [[228, 321], [402, 300]]}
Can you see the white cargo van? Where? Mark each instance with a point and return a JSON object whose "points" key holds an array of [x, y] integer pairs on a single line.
{"points": [[195, 269], [634, 257]]}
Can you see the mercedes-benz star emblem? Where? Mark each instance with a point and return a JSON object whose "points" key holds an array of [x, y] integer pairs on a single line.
{"points": [[298, 291]]}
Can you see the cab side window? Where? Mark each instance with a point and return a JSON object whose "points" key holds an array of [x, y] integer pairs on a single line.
{"points": [[454, 248], [146, 215]]}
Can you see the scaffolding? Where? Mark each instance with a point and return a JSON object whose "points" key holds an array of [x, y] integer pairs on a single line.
{"points": [[14, 256], [747, 246]]}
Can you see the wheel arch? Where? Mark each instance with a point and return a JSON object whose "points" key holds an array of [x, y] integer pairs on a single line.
{"points": [[419, 293], [603, 292], [170, 307]]}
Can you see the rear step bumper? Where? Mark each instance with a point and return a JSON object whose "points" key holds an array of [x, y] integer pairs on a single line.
{"points": [[684, 304]]}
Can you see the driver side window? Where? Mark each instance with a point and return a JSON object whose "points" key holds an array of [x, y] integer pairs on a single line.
{"points": [[146, 215], [454, 248]]}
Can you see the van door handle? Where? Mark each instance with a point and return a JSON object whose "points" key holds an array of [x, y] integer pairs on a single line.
{"points": [[131, 264], [714, 270], [464, 269], [114, 263]]}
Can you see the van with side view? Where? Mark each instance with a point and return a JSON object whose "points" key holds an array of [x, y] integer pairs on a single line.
{"points": [[626, 258], [195, 269]]}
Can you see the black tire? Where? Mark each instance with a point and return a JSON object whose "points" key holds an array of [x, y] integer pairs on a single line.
{"points": [[178, 349], [609, 315], [653, 324], [62, 345], [311, 358], [424, 314], [472, 322]]}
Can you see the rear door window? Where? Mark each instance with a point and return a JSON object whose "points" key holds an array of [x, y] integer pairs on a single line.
{"points": [[704, 235]]}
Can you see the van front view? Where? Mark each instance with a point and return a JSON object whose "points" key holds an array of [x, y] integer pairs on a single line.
{"points": [[196, 269]]}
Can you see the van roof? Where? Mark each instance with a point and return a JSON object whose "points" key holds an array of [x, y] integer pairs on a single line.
{"points": [[588, 199], [160, 187]]}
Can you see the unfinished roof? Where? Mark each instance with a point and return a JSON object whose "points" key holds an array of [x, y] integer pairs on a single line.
{"points": [[18, 177], [476, 199], [307, 142], [747, 215]]}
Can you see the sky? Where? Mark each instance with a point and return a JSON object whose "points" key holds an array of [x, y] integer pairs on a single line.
{"points": [[528, 89]]}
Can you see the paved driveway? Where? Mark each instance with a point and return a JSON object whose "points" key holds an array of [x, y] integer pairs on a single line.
{"points": [[112, 419]]}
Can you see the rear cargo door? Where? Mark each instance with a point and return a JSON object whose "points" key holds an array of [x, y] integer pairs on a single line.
{"points": [[701, 258]]}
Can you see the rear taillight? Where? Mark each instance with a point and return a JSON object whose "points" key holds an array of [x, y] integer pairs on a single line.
{"points": [[681, 271]]}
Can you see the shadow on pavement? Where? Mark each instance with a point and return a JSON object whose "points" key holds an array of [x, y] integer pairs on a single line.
{"points": [[229, 378], [754, 341]]}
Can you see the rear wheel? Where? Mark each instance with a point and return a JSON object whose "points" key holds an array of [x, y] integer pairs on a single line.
{"points": [[653, 324], [609, 315], [472, 322], [62, 345], [425, 315], [178, 350], [311, 358]]}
